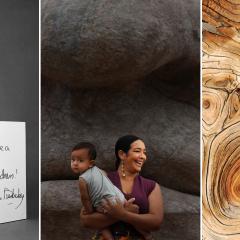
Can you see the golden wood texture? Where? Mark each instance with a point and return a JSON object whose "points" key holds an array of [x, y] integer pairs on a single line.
{"points": [[221, 119]]}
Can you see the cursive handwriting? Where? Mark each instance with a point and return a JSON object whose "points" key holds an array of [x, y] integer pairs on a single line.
{"points": [[5, 175], [11, 194]]}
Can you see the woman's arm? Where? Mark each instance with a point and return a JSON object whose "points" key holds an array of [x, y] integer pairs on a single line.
{"points": [[146, 222], [99, 220], [96, 220], [153, 219]]}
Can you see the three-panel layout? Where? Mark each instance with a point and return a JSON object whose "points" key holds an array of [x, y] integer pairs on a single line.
{"points": [[120, 120]]}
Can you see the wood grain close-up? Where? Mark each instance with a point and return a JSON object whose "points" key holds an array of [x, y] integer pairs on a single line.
{"points": [[221, 119]]}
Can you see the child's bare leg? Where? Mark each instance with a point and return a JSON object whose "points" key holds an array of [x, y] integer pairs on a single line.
{"points": [[106, 234]]}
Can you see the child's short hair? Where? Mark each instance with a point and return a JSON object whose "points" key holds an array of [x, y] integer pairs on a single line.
{"points": [[91, 149]]}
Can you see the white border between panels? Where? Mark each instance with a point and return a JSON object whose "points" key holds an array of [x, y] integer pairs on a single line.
{"points": [[39, 113], [201, 147]]}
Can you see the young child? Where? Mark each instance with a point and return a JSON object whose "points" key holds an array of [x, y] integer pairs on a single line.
{"points": [[94, 185]]}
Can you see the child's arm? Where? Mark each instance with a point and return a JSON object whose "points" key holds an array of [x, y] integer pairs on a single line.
{"points": [[86, 202]]}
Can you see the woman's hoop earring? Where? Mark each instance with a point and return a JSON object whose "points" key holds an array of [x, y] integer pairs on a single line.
{"points": [[123, 170]]}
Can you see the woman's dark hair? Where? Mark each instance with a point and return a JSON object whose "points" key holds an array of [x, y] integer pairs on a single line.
{"points": [[124, 144], [92, 153]]}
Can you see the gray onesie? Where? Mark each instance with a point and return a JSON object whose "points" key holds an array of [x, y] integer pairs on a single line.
{"points": [[100, 186]]}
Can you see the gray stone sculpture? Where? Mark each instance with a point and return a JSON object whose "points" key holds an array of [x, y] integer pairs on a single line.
{"points": [[114, 68]]}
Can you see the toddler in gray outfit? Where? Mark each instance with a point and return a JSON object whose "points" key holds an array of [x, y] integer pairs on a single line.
{"points": [[94, 185]]}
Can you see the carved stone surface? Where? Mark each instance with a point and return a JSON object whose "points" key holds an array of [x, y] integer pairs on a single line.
{"points": [[107, 43], [169, 128], [114, 68], [61, 204]]}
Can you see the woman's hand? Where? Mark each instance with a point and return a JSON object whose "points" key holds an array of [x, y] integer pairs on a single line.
{"points": [[114, 209], [130, 207]]}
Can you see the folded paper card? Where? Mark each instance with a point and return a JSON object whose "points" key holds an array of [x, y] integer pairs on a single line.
{"points": [[12, 171]]}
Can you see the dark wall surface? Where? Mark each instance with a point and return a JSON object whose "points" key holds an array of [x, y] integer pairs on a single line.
{"points": [[19, 83]]}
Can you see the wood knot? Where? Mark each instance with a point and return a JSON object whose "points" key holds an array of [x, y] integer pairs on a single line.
{"points": [[206, 104]]}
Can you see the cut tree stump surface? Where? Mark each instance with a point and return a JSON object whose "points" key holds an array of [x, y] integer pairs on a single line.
{"points": [[221, 120]]}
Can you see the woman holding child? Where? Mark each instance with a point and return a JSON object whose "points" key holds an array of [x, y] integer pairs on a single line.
{"points": [[143, 212]]}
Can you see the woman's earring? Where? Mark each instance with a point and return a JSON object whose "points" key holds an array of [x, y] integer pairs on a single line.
{"points": [[123, 171]]}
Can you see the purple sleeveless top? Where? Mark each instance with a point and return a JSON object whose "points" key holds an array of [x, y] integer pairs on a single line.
{"points": [[142, 187]]}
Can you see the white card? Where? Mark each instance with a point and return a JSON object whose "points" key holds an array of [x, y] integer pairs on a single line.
{"points": [[12, 171]]}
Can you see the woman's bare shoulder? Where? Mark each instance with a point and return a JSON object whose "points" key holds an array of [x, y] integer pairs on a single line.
{"points": [[148, 184]]}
